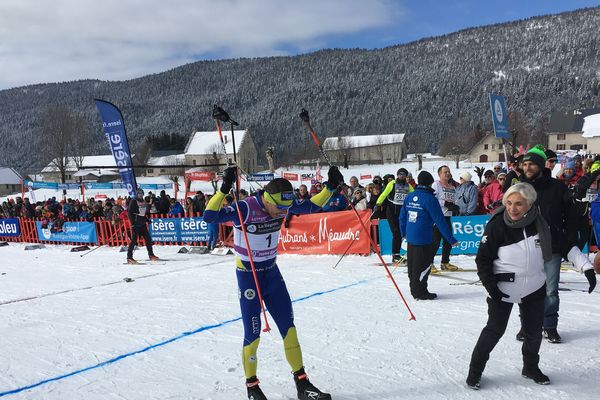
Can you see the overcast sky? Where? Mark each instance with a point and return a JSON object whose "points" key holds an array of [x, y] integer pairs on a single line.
{"points": [[61, 40]]}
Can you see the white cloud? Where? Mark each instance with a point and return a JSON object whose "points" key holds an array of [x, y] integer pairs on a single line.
{"points": [[49, 41]]}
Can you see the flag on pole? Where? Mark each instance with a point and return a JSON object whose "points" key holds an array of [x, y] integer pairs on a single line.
{"points": [[114, 129]]}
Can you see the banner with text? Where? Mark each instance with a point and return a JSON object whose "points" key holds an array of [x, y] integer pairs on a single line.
{"points": [[114, 129], [467, 230], [178, 230], [290, 176], [9, 227], [326, 233], [78, 232]]}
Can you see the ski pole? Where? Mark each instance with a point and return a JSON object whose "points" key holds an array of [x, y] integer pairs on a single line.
{"points": [[102, 245], [351, 243], [239, 213], [306, 119]]}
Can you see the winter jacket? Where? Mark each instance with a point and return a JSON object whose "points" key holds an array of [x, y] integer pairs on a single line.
{"points": [[467, 198], [492, 195], [395, 192], [510, 258], [445, 194], [420, 212], [177, 210], [555, 203], [337, 202], [138, 212], [512, 177]]}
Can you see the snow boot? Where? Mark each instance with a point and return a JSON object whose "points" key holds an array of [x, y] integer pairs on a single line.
{"points": [[520, 335], [473, 379], [254, 392], [552, 335], [306, 390], [426, 296], [536, 375], [449, 267]]}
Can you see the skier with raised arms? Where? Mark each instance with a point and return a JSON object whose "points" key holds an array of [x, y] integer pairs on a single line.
{"points": [[263, 215]]}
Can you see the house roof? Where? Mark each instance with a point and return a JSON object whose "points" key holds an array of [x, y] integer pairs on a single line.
{"points": [[332, 143], [170, 159], [9, 176], [105, 161], [570, 121], [205, 143], [591, 126]]}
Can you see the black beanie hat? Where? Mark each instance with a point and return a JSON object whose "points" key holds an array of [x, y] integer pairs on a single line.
{"points": [[425, 178], [279, 185], [402, 171]]}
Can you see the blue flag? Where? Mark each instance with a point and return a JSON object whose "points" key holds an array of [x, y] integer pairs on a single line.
{"points": [[114, 128]]}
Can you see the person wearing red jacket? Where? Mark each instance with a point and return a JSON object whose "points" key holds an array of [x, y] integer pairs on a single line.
{"points": [[492, 196]]}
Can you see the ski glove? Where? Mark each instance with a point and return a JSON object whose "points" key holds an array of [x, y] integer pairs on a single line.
{"points": [[495, 293], [229, 176], [591, 277], [334, 178]]}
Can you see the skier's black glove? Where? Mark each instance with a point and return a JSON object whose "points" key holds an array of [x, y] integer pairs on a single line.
{"points": [[334, 178], [495, 293], [591, 277], [229, 177]]}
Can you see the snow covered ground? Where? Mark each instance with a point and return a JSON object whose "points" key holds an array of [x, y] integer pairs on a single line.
{"points": [[72, 328]]}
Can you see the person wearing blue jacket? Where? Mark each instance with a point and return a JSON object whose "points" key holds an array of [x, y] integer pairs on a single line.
{"points": [[420, 212]]}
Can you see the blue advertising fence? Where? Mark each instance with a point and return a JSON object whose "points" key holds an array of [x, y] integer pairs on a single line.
{"points": [[179, 230], [76, 232], [9, 227], [467, 230]]}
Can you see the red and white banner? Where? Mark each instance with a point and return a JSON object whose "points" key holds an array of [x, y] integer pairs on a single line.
{"points": [[200, 176], [369, 176], [326, 233], [290, 177]]}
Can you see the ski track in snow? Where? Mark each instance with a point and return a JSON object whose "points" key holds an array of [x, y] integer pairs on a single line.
{"points": [[354, 329]]}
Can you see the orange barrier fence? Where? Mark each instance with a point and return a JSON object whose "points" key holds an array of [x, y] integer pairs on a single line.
{"points": [[322, 233]]}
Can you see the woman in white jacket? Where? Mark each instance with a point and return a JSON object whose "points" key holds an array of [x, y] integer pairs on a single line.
{"points": [[510, 263]]}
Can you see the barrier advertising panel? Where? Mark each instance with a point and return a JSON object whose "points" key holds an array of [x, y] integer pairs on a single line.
{"points": [[77, 232], [9, 227], [326, 233], [467, 230], [178, 230]]}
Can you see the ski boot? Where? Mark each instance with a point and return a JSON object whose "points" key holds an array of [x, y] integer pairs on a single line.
{"points": [[520, 335], [132, 261], [474, 380], [306, 390], [552, 335], [153, 258], [449, 267], [433, 269], [426, 296], [536, 375], [254, 392]]}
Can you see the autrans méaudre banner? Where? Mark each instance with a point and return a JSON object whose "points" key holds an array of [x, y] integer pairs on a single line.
{"points": [[326, 233], [9, 227]]}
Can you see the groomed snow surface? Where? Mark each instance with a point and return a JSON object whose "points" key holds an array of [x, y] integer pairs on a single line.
{"points": [[72, 328]]}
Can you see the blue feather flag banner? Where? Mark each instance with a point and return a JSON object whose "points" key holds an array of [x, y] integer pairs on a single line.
{"points": [[114, 129]]}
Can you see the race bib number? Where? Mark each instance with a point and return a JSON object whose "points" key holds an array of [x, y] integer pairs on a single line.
{"points": [[448, 194]]}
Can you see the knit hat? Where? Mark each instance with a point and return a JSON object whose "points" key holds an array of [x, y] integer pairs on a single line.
{"points": [[536, 155], [550, 155], [425, 178], [280, 193], [487, 173], [402, 171], [465, 176]]}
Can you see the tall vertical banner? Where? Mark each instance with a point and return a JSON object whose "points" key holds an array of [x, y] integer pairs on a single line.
{"points": [[114, 129], [499, 116]]}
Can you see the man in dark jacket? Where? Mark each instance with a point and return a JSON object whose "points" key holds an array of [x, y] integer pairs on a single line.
{"points": [[555, 204], [138, 212], [420, 212]]}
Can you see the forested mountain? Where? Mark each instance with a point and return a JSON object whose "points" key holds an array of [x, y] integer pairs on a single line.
{"points": [[426, 89]]}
